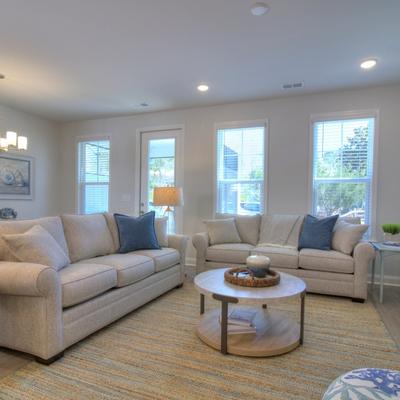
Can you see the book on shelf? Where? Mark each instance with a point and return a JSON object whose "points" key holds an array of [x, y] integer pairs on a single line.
{"points": [[241, 317], [241, 322], [394, 244], [240, 330]]}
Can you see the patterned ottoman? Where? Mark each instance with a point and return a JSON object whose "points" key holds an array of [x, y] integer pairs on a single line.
{"points": [[365, 384]]}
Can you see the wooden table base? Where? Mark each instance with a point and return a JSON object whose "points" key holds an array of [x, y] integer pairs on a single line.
{"points": [[276, 334]]}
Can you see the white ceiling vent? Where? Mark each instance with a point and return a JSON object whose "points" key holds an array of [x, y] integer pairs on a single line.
{"points": [[295, 85]]}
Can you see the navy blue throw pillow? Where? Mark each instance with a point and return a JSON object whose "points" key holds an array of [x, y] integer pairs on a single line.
{"points": [[136, 233], [317, 233]]}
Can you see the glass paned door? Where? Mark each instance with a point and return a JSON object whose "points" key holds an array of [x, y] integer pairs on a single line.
{"points": [[160, 167]]}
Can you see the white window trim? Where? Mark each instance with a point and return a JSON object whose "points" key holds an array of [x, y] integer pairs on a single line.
{"points": [[179, 166], [78, 140], [241, 124], [341, 115]]}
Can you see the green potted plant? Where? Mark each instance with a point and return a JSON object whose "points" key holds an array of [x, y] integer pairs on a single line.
{"points": [[391, 232]]}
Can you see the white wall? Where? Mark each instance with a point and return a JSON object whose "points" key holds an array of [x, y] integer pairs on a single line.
{"points": [[43, 146], [288, 150]]}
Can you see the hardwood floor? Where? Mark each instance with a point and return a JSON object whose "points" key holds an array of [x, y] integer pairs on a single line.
{"points": [[389, 311]]}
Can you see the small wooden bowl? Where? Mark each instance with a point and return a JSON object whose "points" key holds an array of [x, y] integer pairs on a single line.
{"points": [[232, 276]]}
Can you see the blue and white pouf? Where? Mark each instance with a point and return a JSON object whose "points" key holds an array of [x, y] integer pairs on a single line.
{"points": [[365, 384]]}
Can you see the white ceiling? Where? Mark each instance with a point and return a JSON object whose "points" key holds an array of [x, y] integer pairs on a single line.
{"points": [[75, 59]]}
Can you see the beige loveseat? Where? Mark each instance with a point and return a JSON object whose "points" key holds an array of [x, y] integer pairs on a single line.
{"points": [[327, 272], [42, 311]]}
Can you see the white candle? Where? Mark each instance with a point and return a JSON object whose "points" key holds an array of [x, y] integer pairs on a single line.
{"points": [[4, 144], [22, 143], [11, 138], [258, 261]]}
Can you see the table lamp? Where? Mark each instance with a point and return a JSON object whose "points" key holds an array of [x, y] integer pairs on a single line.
{"points": [[169, 196]]}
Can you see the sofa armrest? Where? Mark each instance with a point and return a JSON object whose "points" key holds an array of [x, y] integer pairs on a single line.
{"points": [[363, 254], [30, 309], [201, 243], [179, 242], [27, 279]]}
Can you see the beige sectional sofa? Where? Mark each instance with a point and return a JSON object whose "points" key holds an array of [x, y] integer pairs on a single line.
{"points": [[327, 272], [44, 311]]}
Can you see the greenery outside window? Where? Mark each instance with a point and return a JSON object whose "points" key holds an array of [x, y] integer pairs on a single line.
{"points": [[93, 176], [343, 167], [240, 170]]}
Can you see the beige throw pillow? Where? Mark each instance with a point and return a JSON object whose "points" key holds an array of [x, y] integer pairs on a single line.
{"points": [[222, 231], [248, 226], [37, 246], [346, 236]]}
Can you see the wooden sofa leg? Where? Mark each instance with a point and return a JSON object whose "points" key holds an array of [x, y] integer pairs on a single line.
{"points": [[179, 286], [357, 300], [49, 360]]}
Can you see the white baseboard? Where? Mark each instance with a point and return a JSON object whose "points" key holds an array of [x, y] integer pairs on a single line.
{"points": [[390, 280], [190, 261]]}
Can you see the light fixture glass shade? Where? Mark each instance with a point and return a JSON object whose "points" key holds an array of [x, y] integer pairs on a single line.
{"points": [[4, 144], [22, 143], [11, 138], [369, 63], [168, 196]]}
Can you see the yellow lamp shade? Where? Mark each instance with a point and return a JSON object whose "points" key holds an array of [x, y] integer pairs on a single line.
{"points": [[168, 196]]}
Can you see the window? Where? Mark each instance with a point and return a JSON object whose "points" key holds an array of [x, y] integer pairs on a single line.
{"points": [[240, 169], [94, 175], [343, 167]]}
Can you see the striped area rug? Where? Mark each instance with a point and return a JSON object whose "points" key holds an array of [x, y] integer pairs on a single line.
{"points": [[153, 353]]}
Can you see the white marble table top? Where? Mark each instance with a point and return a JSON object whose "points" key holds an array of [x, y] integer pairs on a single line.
{"points": [[213, 282]]}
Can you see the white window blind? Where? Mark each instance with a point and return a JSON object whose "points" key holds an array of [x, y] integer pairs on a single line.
{"points": [[240, 170], [343, 168], [94, 176]]}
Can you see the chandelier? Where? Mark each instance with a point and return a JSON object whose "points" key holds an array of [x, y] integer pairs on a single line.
{"points": [[13, 141]]}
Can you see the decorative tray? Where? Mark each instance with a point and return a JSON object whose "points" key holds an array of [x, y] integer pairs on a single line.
{"points": [[244, 277]]}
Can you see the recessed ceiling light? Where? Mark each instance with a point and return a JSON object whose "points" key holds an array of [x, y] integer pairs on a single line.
{"points": [[369, 63], [259, 9], [202, 88]]}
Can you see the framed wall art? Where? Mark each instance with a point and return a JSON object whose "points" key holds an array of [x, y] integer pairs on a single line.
{"points": [[16, 177]]}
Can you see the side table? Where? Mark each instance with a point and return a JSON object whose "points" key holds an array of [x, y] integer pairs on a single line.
{"points": [[383, 251]]}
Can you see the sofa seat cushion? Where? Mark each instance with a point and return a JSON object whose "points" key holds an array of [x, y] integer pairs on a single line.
{"points": [[326, 260], [229, 252], [281, 257], [81, 282], [130, 267], [163, 258]]}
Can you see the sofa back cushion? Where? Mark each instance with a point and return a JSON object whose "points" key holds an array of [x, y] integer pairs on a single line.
{"points": [[248, 226], [160, 225], [87, 236], [53, 225], [280, 230]]}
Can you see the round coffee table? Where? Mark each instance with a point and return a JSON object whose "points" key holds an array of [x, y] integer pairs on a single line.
{"points": [[275, 332]]}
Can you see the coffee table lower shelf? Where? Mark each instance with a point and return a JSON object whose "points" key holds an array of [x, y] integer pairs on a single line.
{"points": [[276, 334]]}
